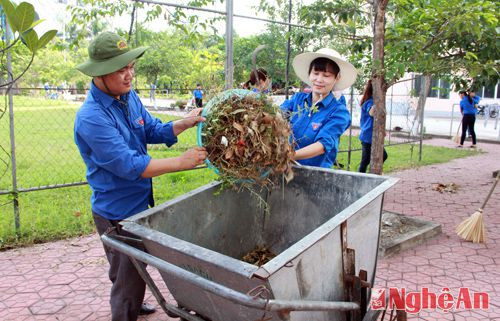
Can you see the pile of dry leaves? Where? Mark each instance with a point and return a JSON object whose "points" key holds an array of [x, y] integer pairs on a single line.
{"points": [[440, 187], [259, 256], [246, 137]]}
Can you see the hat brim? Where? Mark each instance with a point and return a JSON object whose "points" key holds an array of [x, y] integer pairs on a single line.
{"points": [[96, 68], [348, 73]]}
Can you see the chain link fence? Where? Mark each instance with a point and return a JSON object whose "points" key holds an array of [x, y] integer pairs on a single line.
{"points": [[43, 191]]}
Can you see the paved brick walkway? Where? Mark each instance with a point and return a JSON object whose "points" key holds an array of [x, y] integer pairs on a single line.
{"points": [[67, 280], [447, 261]]}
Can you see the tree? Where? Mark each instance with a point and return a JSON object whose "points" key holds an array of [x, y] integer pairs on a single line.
{"points": [[432, 37], [21, 21]]}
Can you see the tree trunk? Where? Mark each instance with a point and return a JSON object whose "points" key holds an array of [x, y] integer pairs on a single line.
{"points": [[424, 92], [379, 87]]}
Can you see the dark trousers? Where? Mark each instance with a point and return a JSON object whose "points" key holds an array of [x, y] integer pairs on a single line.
{"points": [[127, 291], [366, 156], [468, 124], [198, 102]]}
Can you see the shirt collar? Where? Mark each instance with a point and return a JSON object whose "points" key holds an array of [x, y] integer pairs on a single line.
{"points": [[325, 102], [105, 99]]}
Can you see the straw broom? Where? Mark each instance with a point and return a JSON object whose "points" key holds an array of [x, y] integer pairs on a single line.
{"points": [[472, 229], [456, 138]]}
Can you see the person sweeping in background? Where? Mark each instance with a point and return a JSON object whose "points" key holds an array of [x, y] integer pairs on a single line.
{"points": [[366, 124], [469, 117], [318, 119]]}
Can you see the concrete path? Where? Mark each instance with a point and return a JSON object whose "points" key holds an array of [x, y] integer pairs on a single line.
{"points": [[67, 280]]}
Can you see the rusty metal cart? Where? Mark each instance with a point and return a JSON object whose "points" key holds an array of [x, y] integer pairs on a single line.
{"points": [[324, 227]]}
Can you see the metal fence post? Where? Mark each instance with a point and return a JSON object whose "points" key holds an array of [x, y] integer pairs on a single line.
{"points": [[421, 133], [496, 122], [350, 132], [390, 115], [287, 70], [452, 117], [10, 78], [496, 119], [229, 44]]}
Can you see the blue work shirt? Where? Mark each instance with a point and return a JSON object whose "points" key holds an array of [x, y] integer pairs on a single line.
{"points": [[467, 107], [476, 99], [256, 90], [366, 122], [325, 125], [112, 139], [198, 94]]}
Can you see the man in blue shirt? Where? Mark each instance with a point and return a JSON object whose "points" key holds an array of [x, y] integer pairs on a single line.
{"points": [[112, 130], [198, 96]]}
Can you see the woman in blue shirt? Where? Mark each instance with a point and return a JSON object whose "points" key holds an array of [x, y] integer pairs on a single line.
{"points": [[317, 118], [469, 112], [259, 80], [366, 124]]}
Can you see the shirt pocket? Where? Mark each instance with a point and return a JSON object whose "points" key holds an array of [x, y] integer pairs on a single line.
{"points": [[138, 128]]}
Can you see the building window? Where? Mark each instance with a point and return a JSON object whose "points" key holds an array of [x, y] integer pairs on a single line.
{"points": [[444, 89], [489, 91], [434, 91], [440, 88]]}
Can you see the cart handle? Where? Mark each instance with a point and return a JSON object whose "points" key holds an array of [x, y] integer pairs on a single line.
{"points": [[223, 291]]}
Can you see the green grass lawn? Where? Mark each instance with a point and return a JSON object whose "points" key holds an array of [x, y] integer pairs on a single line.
{"points": [[47, 155]]}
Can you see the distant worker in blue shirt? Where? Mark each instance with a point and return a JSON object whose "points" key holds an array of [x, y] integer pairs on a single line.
{"points": [[366, 124], [259, 81], [112, 130], [475, 99], [198, 96], [469, 117], [317, 118], [46, 86]]}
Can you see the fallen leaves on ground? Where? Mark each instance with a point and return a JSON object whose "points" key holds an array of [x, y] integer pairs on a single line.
{"points": [[449, 188]]}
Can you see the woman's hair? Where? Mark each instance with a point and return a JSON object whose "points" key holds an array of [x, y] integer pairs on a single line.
{"points": [[260, 73], [324, 64], [367, 92], [463, 92]]}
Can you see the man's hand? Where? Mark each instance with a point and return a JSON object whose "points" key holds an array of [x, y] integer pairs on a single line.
{"points": [[188, 160], [193, 157], [187, 122], [194, 112]]}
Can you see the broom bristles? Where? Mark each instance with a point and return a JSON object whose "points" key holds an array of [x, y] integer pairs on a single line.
{"points": [[456, 139], [472, 228]]}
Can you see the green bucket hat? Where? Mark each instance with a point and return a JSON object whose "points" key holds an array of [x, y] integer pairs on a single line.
{"points": [[107, 54]]}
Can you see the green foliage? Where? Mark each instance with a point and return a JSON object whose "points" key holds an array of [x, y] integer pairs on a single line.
{"points": [[171, 60], [439, 38], [21, 19]]}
